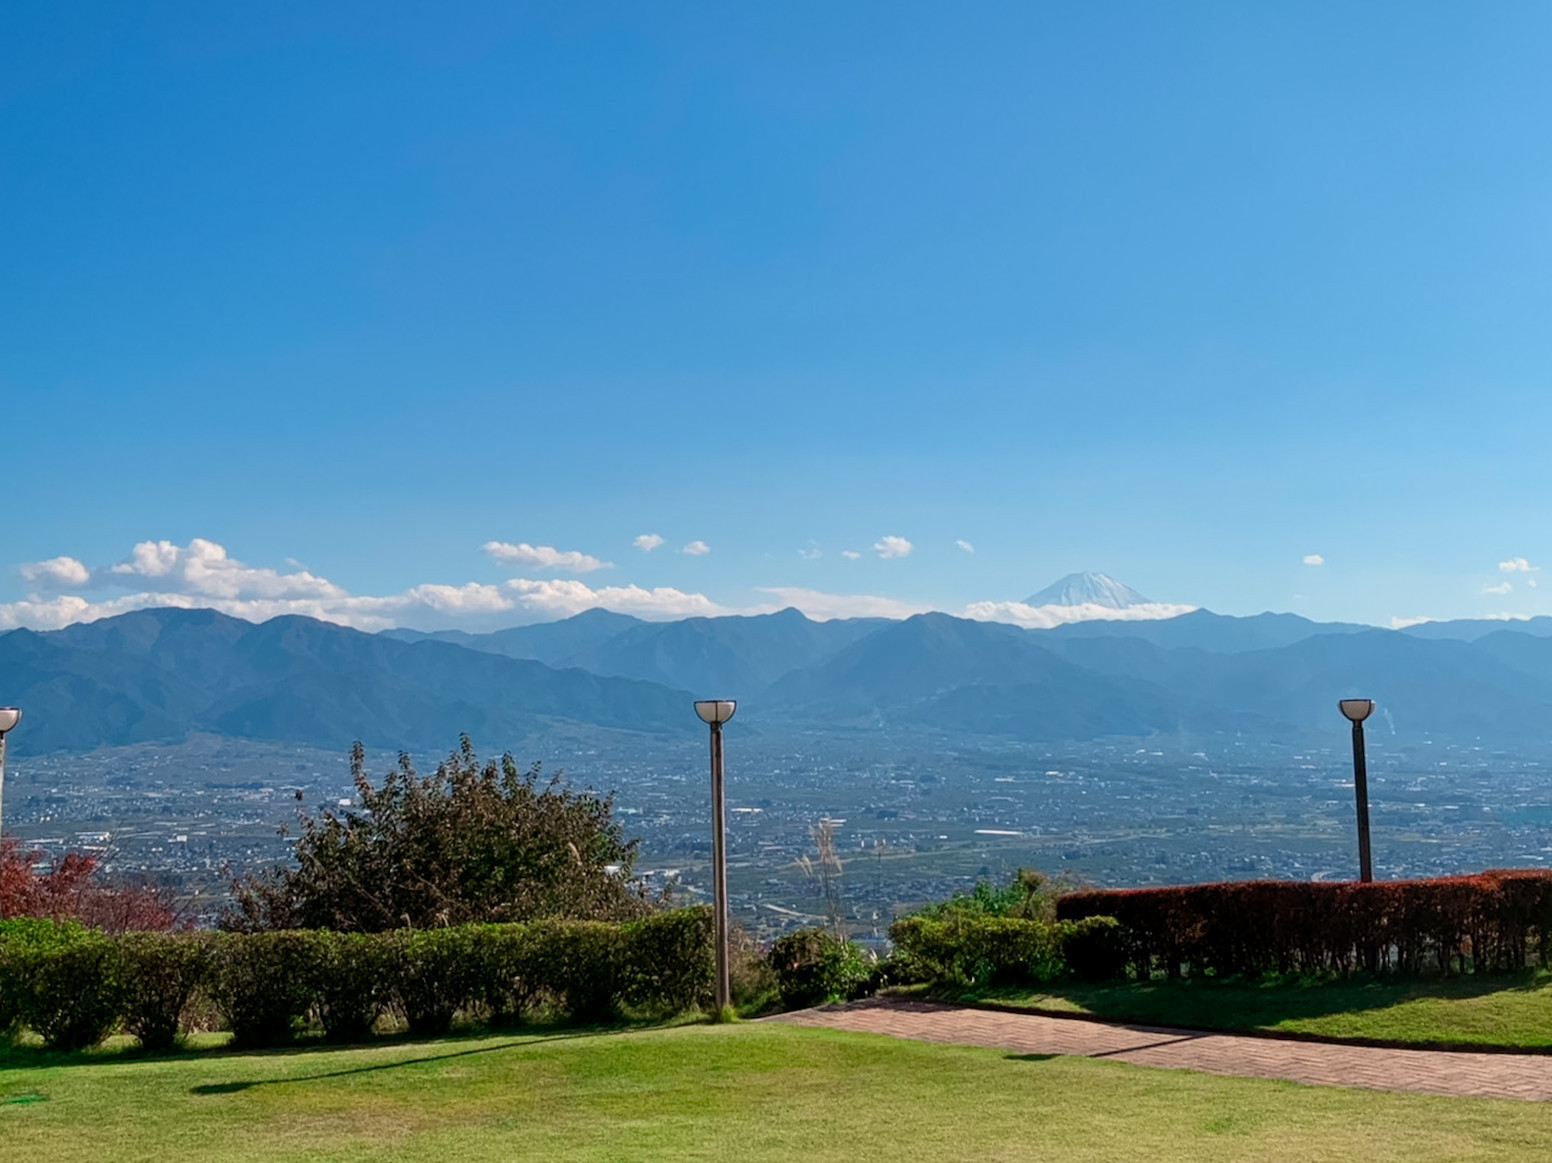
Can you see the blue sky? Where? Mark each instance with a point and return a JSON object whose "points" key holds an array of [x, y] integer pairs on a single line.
{"points": [[1185, 293]]}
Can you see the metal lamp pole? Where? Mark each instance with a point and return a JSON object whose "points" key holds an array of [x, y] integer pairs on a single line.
{"points": [[1357, 710], [9, 717], [715, 712]]}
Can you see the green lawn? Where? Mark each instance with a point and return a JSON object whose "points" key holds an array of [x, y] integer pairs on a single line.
{"points": [[1496, 1011], [748, 1092]]}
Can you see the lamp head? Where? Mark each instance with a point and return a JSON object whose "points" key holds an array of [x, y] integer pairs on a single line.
{"points": [[9, 717], [715, 711], [1357, 710]]}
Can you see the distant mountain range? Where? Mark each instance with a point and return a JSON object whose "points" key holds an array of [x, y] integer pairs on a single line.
{"points": [[159, 675]]}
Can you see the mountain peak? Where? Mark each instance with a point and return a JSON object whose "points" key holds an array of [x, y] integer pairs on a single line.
{"points": [[1088, 589]]}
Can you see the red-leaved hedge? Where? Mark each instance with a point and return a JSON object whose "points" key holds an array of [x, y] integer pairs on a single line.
{"points": [[1493, 922]]}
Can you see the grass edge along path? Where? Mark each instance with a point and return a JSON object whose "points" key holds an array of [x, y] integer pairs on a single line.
{"points": [[756, 1091], [1479, 1013]]}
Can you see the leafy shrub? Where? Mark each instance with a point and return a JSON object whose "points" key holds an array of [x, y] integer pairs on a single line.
{"points": [[1492, 922], [578, 963], [354, 983], [669, 962], [39, 932], [1030, 894], [1094, 948], [162, 971], [473, 842], [264, 983], [74, 992], [19, 937], [814, 967], [505, 970], [433, 976], [982, 949]]}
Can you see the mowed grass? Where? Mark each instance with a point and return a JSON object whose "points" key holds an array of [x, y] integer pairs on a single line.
{"points": [[1480, 1011], [746, 1092]]}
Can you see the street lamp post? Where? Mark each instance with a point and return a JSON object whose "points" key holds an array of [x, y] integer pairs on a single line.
{"points": [[716, 712], [1356, 711], [9, 717]]}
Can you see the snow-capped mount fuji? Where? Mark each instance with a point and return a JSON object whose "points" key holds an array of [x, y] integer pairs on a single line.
{"points": [[1089, 589]]}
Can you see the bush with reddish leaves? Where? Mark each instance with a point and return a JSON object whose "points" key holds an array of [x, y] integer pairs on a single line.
{"points": [[74, 888], [1493, 922]]}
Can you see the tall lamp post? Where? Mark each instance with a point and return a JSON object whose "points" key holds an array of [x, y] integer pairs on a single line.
{"points": [[1357, 710], [716, 712], [9, 717]]}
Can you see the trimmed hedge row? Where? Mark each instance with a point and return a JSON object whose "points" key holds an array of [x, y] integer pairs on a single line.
{"points": [[1497, 921], [75, 988], [985, 949]]}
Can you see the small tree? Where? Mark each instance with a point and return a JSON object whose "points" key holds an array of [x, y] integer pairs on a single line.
{"points": [[472, 842]]}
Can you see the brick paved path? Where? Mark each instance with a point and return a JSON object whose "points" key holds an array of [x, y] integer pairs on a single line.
{"points": [[1527, 1076]]}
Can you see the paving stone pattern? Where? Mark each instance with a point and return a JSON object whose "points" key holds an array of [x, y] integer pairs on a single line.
{"points": [[1523, 1076]]}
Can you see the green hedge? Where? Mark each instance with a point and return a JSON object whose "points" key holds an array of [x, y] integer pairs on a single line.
{"points": [[354, 984], [669, 962], [162, 971], [984, 949], [20, 939], [74, 993], [264, 984], [73, 987]]}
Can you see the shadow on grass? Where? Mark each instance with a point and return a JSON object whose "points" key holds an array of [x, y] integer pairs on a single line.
{"points": [[1249, 1004], [1031, 1057], [36, 1057], [513, 1044]]}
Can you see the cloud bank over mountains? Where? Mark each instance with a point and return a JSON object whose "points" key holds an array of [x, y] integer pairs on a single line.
{"points": [[202, 574]]}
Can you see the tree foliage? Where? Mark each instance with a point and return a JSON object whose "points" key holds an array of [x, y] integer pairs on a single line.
{"points": [[473, 842], [74, 888]]}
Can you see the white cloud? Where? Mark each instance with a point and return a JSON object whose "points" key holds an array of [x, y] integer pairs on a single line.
{"points": [[1045, 617], [696, 549], [811, 552], [822, 606], [1531, 582], [1314, 559], [647, 542], [203, 575], [204, 569], [470, 598], [966, 546], [1403, 623], [891, 546], [850, 554], [561, 599], [1517, 565], [543, 557], [1500, 588], [56, 573]]}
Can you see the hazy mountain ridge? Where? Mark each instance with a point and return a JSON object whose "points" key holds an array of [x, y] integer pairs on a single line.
{"points": [[159, 675]]}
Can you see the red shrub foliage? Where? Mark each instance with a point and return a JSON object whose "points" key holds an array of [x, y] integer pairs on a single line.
{"points": [[71, 888], [1496, 921]]}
